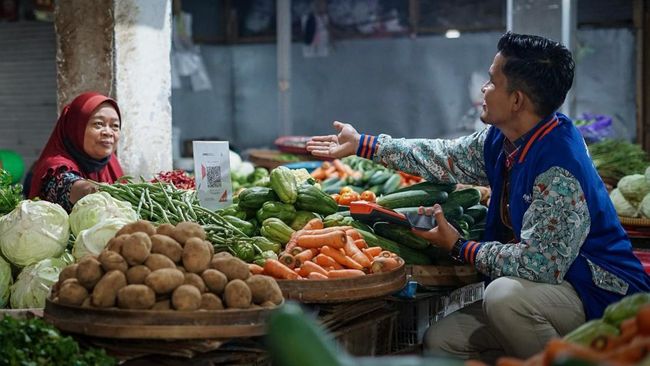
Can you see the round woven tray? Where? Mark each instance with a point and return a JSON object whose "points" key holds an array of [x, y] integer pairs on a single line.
{"points": [[149, 324], [634, 221]]}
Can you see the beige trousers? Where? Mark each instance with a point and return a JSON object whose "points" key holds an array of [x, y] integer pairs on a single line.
{"points": [[516, 318]]}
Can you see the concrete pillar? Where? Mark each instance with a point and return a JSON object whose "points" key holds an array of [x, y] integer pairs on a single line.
{"points": [[121, 48]]}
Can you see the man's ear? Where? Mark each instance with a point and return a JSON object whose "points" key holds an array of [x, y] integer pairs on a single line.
{"points": [[518, 99]]}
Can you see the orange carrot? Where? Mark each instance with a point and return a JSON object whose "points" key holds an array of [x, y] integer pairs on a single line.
{"points": [[326, 261], [288, 260], [557, 347], [317, 276], [304, 256], [352, 251], [331, 171], [295, 250], [508, 361], [293, 241], [383, 264], [319, 173], [386, 253], [373, 251], [310, 267], [255, 269], [353, 233], [335, 239], [278, 270], [313, 224], [361, 244], [370, 257], [345, 273], [342, 259], [325, 230]]}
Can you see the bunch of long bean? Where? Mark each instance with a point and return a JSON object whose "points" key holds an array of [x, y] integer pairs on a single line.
{"points": [[163, 203]]}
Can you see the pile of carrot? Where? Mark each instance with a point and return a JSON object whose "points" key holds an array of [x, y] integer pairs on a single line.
{"points": [[319, 253], [334, 169], [630, 347], [408, 179]]}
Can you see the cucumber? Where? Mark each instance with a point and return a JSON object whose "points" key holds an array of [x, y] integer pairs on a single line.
{"points": [[400, 235], [452, 211], [430, 186], [478, 212], [411, 198], [409, 255], [392, 184], [379, 177], [466, 197], [475, 234], [468, 219]]}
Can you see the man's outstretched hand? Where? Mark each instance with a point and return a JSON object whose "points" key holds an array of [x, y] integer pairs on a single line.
{"points": [[337, 146]]}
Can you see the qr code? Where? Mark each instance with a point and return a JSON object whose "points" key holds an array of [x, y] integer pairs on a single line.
{"points": [[213, 173]]}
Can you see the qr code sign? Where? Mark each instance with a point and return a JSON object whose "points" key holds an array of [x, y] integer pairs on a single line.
{"points": [[213, 174]]}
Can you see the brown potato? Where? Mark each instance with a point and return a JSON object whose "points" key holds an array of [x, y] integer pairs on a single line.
{"points": [[115, 243], [165, 229], [136, 274], [166, 245], [105, 290], [264, 288], [210, 301], [195, 280], [87, 303], [136, 297], [142, 226], [89, 271], [214, 280], [162, 305], [221, 254], [185, 230], [196, 255], [164, 280], [68, 272], [237, 295], [136, 248], [268, 304], [181, 268], [211, 248], [234, 268], [186, 298], [111, 260], [72, 293], [158, 261]]}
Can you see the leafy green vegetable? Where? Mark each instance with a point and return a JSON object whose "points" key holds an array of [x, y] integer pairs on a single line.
{"points": [[616, 158], [33, 342], [10, 194]]}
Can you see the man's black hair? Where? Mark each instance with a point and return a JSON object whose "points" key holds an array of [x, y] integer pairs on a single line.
{"points": [[541, 68]]}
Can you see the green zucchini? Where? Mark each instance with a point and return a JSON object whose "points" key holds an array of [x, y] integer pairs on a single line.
{"points": [[392, 184], [430, 186], [411, 198], [466, 197], [400, 234], [468, 219], [478, 212]]}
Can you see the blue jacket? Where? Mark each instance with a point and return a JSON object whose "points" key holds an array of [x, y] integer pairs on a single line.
{"points": [[556, 142]]}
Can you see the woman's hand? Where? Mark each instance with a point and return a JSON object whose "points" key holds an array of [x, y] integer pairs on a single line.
{"points": [[80, 189], [335, 146], [443, 235]]}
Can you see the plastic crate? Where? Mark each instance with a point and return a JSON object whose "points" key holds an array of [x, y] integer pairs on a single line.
{"points": [[415, 317], [371, 335]]}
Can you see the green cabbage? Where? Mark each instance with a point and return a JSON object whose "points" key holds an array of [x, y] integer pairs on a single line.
{"points": [[33, 231], [644, 206], [634, 187], [5, 282], [34, 282], [93, 240], [623, 207], [96, 207]]}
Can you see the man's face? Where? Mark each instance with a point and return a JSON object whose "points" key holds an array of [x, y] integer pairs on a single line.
{"points": [[496, 98]]}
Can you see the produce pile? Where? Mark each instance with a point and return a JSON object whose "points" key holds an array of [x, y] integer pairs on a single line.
{"points": [[318, 253], [10, 194], [615, 159], [165, 268], [361, 175], [621, 337], [631, 197], [35, 343], [179, 178]]}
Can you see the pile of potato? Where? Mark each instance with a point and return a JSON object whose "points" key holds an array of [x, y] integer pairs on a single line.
{"points": [[165, 268]]}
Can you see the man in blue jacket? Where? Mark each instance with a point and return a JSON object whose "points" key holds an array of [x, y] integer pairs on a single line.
{"points": [[554, 250]]}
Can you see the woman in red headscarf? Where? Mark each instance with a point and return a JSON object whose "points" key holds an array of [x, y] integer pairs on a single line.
{"points": [[81, 149]]}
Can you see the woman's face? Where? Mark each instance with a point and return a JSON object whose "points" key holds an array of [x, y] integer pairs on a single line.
{"points": [[102, 132]]}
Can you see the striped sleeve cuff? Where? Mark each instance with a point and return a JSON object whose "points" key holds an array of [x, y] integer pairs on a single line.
{"points": [[367, 146], [469, 251]]}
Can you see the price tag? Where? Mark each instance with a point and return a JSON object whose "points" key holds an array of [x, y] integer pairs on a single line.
{"points": [[212, 173]]}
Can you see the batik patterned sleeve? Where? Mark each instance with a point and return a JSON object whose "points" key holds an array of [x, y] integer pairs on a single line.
{"points": [[459, 160], [56, 188], [554, 228]]}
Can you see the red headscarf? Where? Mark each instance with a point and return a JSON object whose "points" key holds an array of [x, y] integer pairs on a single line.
{"points": [[71, 126]]}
